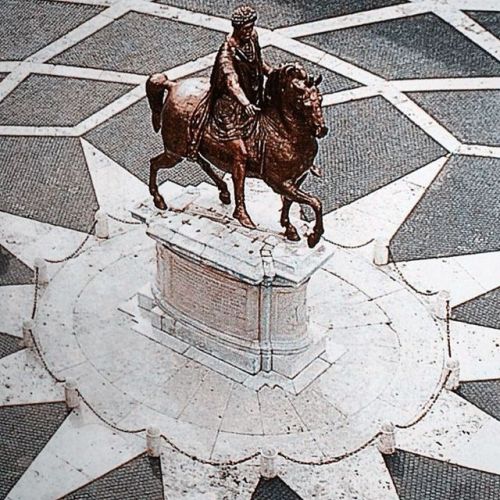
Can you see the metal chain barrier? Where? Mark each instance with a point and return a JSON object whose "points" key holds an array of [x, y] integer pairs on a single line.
{"points": [[401, 275], [107, 422], [332, 460], [209, 462], [448, 317], [73, 254], [35, 297], [351, 246], [123, 221]]}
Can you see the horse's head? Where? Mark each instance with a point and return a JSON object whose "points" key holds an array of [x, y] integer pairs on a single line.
{"points": [[296, 92]]}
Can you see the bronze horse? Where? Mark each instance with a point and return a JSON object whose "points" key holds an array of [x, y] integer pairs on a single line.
{"points": [[282, 148]]}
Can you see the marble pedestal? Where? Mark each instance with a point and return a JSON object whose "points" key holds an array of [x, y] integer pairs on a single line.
{"points": [[236, 294]]}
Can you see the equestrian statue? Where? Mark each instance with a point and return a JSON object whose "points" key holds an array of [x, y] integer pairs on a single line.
{"points": [[236, 123]]}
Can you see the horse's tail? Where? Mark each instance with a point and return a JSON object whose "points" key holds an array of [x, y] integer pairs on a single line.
{"points": [[155, 90]]}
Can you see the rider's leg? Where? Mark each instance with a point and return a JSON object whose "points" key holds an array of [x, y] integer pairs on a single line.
{"points": [[240, 158]]}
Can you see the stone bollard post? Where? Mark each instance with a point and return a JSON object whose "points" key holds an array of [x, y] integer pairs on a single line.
{"points": [[387, 440], [43, 275], [453, 380], [380, 253], [153, 441], [71, 395], [268, 466], [102, 226], [440, 306], [28, 326]]}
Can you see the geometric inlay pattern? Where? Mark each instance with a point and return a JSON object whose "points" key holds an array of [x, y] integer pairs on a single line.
{"points": [[483, 310], [417, 478], [278, 14], [139, 43], [420, 46], [370, 144], [29, 25], [455, 216], [488, 20], [485, 394], [9, 344], [46, 178], [139, 479], [25, 430], [46, 100], [12, 270], [471, 116], [274, 489]]}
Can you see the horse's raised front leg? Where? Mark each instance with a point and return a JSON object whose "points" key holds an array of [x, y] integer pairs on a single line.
{"points": [[290, 230], [292, 192], [164, 160], [224, 194], [240, 156]]}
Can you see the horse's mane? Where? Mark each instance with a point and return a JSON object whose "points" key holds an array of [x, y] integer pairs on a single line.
{"points": [[273, 91]]}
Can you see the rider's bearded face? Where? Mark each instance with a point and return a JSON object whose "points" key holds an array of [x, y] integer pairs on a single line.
{"points": [[244, 33]]}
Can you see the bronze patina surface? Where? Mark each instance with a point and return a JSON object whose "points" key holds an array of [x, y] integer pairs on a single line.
{"points": [[236, 123]]}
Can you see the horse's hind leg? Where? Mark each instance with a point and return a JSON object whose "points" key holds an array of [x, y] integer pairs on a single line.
{"points": [[290, 230], [164, 160], [224, 195]]}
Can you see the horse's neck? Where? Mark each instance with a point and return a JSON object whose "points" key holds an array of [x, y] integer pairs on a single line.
{"points": [[286, 126]]}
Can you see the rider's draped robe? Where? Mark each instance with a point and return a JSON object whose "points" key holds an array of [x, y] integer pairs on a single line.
{"points": [[220, 112]]}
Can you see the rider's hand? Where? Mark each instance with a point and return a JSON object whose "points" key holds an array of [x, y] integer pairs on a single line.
{"points": [[251, 109]]}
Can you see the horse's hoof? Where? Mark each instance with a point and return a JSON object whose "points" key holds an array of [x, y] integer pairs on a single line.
{"points": [[244, 219], [313, 239], [292, 234], [225, 197], [160, 203]]}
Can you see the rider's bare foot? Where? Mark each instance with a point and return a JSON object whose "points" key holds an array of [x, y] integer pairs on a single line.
{"points": [[243, 218]]}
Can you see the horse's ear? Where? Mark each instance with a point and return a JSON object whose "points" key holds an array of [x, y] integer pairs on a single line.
{"points": [[318, 80]]}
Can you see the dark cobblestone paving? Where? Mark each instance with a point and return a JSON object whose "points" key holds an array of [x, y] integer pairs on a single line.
{"points": [[25, 430], [485, 394], [285, 13], [483, 310], [2, 76], [370, 144], [421, 46], [139, 43], [459, 213], [139, 479], [128, 139], [38, 22], [46, 178], [418, 478], [274, 489], [488, 20], [44, 100], [12, 270], [9, 344], [472, 116]]}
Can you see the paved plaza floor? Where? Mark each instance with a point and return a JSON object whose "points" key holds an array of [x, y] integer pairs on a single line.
{"points": [[411, 94]]}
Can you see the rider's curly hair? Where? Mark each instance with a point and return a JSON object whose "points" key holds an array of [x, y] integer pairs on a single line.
{"points": [[243, 15]]}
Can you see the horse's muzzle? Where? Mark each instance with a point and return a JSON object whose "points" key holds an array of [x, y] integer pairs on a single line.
{"points": [[321, 131]]}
